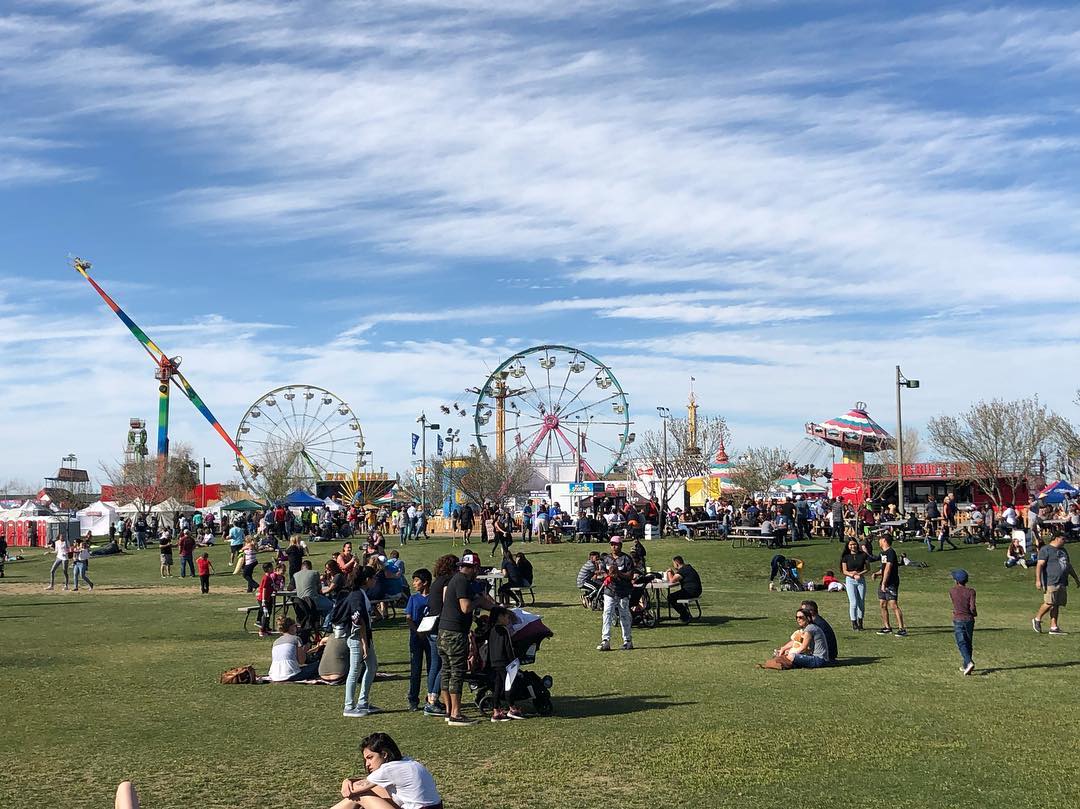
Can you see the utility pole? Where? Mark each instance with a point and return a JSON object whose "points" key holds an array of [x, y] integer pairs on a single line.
{"points": [[205, 466], [424, 427], [901, 382], [665, 415]]}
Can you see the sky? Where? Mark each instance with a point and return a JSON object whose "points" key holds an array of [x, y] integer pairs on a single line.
{"points": [[783, 200]]}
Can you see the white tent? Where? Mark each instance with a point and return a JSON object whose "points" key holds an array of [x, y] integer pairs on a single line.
{"points": [[97, 517], [172, 508], [136, 506]]}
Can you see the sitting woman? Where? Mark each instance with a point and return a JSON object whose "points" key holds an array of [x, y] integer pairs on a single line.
{"points": [[525, 569], [807, 648], [512, 581], [290, 658], [334, 663], [393, 577], [1016, 554], [392, 782]]}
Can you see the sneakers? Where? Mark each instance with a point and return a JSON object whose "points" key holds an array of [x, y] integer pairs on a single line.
{"points": [[369, 708], [499, 716], [1055, 631], [434, 709], [514, 713], [970, 667], [628, 647], [605, 646], [459, 721], [263, 634], [885, 630], [354, 712], [413, 707], [1036, 624], [50, 587], [901, 633]]}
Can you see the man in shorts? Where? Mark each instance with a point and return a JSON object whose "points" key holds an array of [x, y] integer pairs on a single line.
{"points": [[889, 591], [1052, 571]]}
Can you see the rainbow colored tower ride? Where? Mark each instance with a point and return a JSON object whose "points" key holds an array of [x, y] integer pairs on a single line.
{"points": [[168, 371]]}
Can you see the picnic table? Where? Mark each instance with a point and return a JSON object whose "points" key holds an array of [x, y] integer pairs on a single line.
{"points": [[282, 597], [659, 586], [741, 535], [491, 579], [705, 527]]}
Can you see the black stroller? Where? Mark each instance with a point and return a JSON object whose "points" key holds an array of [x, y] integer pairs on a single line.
{"points": [[528, 685]]}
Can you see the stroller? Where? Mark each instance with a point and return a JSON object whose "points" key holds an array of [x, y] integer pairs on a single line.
{"points": [[789, 577], [641, 608], [529, 633]]}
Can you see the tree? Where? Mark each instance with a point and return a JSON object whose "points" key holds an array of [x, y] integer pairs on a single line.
{"points": [[912, 445], [687, 457], [18, 486], [282, 469], [137, 480], [482, 477], [757, 469], [997, 441]]}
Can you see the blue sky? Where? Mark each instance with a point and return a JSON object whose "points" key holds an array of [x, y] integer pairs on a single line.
{"points": [[782, 199]]}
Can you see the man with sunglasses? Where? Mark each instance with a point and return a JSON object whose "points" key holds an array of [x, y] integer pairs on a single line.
{"points": [[618, 584]]}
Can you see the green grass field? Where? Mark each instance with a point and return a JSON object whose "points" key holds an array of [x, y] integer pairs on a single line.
{"points": [[123, 683]]}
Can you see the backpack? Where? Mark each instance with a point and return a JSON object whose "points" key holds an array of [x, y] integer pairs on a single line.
{"points": [[241, 675]]}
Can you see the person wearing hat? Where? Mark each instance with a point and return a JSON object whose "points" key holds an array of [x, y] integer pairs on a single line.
{"points": [[963, 618], [1052, 572], [455, 619], [618, 584]]}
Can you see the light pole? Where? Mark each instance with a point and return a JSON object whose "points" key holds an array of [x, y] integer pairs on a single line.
{"points": [[371, 458], [452, 437], [901, 382], [424, 427], [665, 415], [205, 466]]}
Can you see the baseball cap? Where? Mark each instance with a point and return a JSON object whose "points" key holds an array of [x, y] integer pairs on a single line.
{"points": [[960, 575], [616, 540], [469, 559]]}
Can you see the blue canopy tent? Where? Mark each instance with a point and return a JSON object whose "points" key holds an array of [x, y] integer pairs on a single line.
{"points": [[1057, 491], [300, 498]]}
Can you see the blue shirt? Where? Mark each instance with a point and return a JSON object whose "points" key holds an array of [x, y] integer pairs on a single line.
{"points": [[416, 607], [236, 535]]}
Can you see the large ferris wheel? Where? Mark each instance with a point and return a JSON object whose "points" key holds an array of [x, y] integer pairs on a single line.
{"points": [[300, 433], [558, 405]]}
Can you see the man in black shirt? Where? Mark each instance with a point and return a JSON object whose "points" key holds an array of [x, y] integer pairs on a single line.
{"points": [[455, 619], [889, 592], [689, 583]]}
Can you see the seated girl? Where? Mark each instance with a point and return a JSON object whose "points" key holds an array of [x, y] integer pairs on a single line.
{"points": [[392, 782], [291, 660]]}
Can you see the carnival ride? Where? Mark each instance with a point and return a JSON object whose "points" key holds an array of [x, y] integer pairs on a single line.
{"points": [[854, 433], [559, 406], [303, 434], [168, 371]]}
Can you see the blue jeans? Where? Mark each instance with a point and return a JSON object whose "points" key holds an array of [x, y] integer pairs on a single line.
{"points": [[362, 670], [856, 594], [52, 573], [964, 632], [185, 563], [808, 662], [80, 572], [434, 672], [419, 654]]}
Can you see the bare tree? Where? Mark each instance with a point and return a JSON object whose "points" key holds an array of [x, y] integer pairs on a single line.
{"points": [[757, 469], [282, 469], [913, 447], [686, 458], [137, 480], [18, 486], [485, 478], [436, 487], [999, 441]]}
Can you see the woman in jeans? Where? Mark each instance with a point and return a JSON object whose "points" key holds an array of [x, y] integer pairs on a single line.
{"points": [[251, 559], [82, 562], [352, 617], [854, 564]]}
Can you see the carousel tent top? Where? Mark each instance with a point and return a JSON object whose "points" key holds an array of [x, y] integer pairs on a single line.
{"points": [[854, 430]]}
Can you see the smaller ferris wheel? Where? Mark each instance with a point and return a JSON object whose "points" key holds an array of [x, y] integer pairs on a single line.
{"points": [[300, 433], [558, 405]]}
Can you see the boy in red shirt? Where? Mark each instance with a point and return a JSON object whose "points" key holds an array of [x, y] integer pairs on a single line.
{"points": [[964, 614], [265, 597], [205, 567]]}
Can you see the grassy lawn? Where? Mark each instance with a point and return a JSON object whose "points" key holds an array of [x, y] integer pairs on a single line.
{"points": [[122, 683]]}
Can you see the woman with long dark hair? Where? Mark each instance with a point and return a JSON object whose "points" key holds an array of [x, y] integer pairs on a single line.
{"points": [[392, 781]]}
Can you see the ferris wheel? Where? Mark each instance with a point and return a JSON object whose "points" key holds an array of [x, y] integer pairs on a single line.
{"points": [[558, 405], [302, 433]]}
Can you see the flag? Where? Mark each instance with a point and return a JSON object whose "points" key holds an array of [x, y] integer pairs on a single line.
{"points": [[415, 441], [439, 445]]}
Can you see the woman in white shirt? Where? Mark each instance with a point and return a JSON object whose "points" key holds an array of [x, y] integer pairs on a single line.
{"points": [[392, 782], [63, 551], [289, 657]]}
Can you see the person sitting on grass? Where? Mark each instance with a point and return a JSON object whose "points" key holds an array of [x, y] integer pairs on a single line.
{"points": [[1016, 555], [290, 659], [808, 648], [392, 781]]}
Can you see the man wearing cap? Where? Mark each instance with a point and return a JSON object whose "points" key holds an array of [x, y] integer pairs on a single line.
{"points": [[963, 619], [1052, 571], [458, 604], [618, 583]]}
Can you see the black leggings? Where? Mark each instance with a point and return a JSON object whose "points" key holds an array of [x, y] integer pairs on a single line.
{"points": [[500, 685]]}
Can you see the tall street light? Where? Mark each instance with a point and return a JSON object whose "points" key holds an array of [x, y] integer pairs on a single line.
{"points": [[901, 382], [424, 427], [452, 437], [205, 466], [665, 415]]}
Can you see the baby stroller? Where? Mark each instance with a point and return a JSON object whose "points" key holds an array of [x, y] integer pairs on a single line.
{"points": [[529, 632], [789, 577], [641, 608]]}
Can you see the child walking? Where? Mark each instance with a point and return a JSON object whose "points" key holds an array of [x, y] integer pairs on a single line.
{"points": [[265, 597], [205, 568], [419, 648], [963, 602], [500, 655]]}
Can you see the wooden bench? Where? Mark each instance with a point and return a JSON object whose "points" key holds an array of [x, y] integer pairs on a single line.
{"points": [[691, 603], [248, 611], [521, 591], [742, 535]]}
